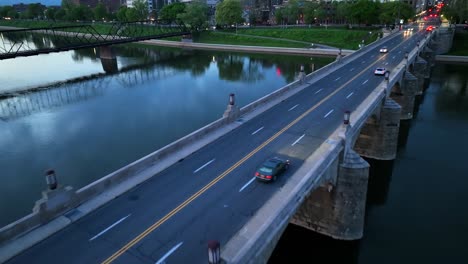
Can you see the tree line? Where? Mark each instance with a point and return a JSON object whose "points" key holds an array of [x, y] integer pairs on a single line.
{"points": [[197, 14]]}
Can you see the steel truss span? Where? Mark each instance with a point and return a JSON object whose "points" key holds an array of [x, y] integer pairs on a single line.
{"points": [[29, 42]]}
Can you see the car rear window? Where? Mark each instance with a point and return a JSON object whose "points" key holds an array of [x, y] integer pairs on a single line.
{"points": [[266, 170]]}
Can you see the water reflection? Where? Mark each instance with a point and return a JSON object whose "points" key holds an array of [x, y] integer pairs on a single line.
{"points": [[90, 123]]}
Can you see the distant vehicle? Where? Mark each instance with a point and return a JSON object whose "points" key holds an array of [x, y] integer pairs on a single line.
{"points": [[430, 28], [380, 71], [383, 50], [271, 169]]}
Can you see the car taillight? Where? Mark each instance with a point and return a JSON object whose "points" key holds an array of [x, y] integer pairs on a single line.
{"points": [[257, 174], [268, 176]]}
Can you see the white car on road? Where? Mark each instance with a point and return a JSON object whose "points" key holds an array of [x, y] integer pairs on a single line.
{"points": [[383, 50], [380, 71]]}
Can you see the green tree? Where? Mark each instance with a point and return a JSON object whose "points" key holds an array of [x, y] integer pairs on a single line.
{"points": [[229, 12], [309, 12], [343, 11], [391, 12], [100, 12], [81, 12], [7, 11], [253, 16], [456, 11], [195, 15], [291, 11], [141, 8], [122, 14], [131, 14], [170, 12], [35, 11], [50, 13], [61, 14], [320, 12], [279, 16], [365, 11]]}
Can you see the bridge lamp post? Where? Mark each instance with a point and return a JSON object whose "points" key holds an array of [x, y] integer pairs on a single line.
{"points": [[51, 179], [347, 115], [214, 252]]}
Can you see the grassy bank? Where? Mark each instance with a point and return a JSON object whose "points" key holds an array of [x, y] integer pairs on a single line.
{"points": [[290, 37], [460, 44], [270, 37], [212, 37]]}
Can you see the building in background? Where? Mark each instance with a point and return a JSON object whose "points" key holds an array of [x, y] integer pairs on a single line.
{"points": [[111, 5], [150, 4]]}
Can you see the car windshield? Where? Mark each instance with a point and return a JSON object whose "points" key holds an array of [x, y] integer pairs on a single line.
{"points": [[265, 170]]}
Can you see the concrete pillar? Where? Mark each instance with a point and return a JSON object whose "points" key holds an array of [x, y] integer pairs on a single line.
{"points": [[379, 135], [108, 59], [110, 65], [420, 71], [429, 55], [339, 56], [232, 111], [106, 52], [338, 211], [405, 95], [55, 202]]}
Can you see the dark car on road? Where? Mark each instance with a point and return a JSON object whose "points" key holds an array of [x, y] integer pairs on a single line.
{"points": [[271, 169]]}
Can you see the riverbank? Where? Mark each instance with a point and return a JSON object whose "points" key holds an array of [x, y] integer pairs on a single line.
{"points": [[256, 49]]}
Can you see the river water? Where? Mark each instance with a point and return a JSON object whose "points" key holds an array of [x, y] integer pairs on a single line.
{"points": [[417, 208], [85, 123]]}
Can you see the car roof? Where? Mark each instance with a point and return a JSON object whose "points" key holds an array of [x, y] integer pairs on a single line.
{"points": [[272, 162]]}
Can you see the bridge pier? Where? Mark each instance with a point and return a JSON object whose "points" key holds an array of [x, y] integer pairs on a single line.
{"points": [[429, 55], [338, 209], [420, 71], [405, 94], [378, 138], [108, 59]]}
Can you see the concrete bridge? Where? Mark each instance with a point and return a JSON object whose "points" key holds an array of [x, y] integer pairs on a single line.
{"points": [[326, 191]]}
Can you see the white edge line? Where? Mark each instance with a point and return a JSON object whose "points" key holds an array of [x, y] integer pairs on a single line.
{"points": [[331, 111], [349, 95], [161, 260], [206, 164], [107, 229], [247, 184], [293, 107], [318, 91], [295, 142]]}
